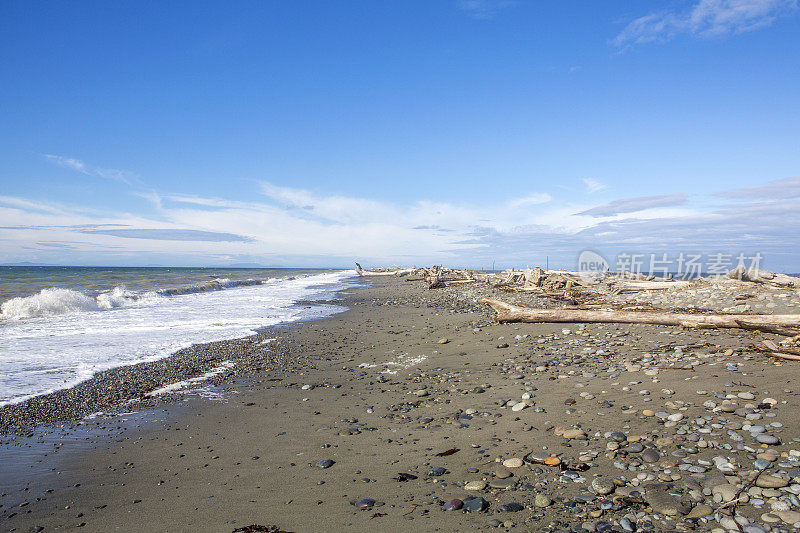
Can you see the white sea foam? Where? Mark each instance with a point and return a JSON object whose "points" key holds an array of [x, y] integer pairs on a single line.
{"points": [[401, 362], [175, 387], [48, 302], [60, 337]]}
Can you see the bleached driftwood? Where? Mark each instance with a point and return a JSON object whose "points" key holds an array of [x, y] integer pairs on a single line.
{"points": [[781, 352], [507, 312], [393, 272], [765, 277], [633, 286]]}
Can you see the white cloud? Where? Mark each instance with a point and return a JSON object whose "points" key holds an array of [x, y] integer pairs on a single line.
{"points": [[632, 205], [707, 18], [531, 199], [593, 186], [319, 229], [772, 190], [151, 196], [484, 9], [68, 162], [77, 165]]}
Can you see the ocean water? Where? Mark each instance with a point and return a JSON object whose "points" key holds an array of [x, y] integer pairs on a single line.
{"points": [[61, 325]]}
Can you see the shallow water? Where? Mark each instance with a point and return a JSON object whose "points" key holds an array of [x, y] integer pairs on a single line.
{"points": [[67, 324]]}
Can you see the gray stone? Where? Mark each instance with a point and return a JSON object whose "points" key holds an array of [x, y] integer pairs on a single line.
{"points": [[765, 438], [475, 504], [627, 524], [542, 500], [650, 455], [603, 485], [664, 503], [512, 507], [365, 503]]}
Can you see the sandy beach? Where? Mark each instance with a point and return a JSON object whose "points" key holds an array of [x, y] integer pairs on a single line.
{"points": [[380, 417]]}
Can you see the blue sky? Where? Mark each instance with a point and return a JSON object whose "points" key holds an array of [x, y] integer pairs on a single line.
{"points": [[463, 132]]}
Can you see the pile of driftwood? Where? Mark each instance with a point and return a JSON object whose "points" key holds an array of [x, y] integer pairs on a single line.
{"points": [[578, 285], [585, 289], [764, 277], [436, 276]]}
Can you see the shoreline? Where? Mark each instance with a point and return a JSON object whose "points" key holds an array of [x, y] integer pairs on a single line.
{"points": [[370, 403], [127, 387]]}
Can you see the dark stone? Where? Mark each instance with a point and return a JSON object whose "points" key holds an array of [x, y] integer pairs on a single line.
{"points": [[365, 503], [512, 507], [475, 504], [453, 505]]}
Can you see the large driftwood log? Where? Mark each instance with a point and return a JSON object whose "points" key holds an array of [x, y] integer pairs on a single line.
{"points": [[507, 312], [634, 286]]}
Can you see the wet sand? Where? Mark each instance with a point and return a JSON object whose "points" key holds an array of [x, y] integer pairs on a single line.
{"points": [[387, 391]]}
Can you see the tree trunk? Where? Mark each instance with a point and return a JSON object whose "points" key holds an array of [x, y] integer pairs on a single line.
{"points": [[513, 313]]}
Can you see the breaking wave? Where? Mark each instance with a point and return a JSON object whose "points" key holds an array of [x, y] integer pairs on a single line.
{"points": [[50, 302]]}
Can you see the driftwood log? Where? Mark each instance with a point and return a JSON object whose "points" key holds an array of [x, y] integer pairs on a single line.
{"points": [[507, 312], [634, 286]]}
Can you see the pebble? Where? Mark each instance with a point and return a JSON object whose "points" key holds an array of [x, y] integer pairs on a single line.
{"points": [[502, 473], [765, 438], [475, 485], [725, 492], [790, 517], [502, 483], [770, 482], [453, 505], [514, 462], [627, 524], [700, 510], [475, 504], [574, 434], [365, 503], [650, 455], [326, 463], [512, 507], [542, 500], [664, 503], [603, 485]]}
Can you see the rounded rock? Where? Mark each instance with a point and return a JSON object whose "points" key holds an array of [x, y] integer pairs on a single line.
{"points": [[453, 505], [603, 485], [365, 503]]}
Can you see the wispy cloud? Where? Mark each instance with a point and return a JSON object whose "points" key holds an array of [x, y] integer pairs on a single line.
{"points": [[593, 186], [772, 190], [484, 9], [531, 199], [171, 235], [632, 205], [77, 165], [706, 18], [151, 196]]}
